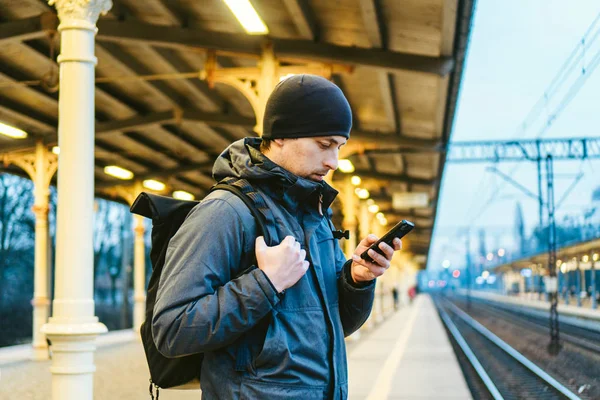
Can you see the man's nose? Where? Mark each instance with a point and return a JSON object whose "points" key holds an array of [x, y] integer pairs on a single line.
{"points": [[332, 163]]}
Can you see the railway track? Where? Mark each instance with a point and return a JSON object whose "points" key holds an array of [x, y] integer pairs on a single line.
{"points": [[502, 371], [580, 336]]}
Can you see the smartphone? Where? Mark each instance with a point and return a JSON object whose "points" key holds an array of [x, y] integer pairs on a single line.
{"points": [[398, 231]]}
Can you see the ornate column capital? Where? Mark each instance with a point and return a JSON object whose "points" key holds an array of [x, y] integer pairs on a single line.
{"points": [[84, 10]]}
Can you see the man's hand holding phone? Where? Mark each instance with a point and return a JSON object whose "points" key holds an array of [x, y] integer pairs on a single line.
{"points": [[363, 270], [367, 263]]}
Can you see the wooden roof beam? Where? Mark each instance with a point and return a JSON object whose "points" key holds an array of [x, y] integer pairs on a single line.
{"points": [[138, 68], [163, 36], [199, 85], [137, 122], [404, 178], [303, 18], [391, 139], [29, 28], [166, 173], [373, 22]]}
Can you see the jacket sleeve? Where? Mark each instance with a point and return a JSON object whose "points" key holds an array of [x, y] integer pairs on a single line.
{"points": [[199, 306], [355, 300]]}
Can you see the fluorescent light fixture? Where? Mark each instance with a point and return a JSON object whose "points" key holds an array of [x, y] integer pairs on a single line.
{"points": [[363, 194], [12, 132], [355, 180], [56, 150], [345, 165], [248, 17], [373, 208], [118, 172], [182, 195], [153, 185]]}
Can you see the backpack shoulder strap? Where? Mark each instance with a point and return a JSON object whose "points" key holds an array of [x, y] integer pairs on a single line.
{"points": [[255, 203]]}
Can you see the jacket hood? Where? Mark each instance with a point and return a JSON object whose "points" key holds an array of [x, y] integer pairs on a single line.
{"points": [[243, 159]]}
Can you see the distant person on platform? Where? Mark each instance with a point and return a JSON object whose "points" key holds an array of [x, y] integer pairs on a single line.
{"points": [[276, 332]]}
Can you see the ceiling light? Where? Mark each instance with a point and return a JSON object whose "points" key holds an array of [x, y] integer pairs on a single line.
{"points": [[118, 172], [346, 166], [355, 180], [383, 221], [56, 150], [153, 185], [373, 208], [12, 132], [380, 215], [182, 195], [363, 194], [248, 17]]}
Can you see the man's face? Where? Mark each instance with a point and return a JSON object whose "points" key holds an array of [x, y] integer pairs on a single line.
{"points": [[311, 158]]}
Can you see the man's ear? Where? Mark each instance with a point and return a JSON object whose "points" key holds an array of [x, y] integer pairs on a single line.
{"points": [[279, 142]]}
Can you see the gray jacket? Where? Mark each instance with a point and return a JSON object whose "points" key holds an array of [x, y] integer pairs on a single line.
{"points": [[259, 345]]}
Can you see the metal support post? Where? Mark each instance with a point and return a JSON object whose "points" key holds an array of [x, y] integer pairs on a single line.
{"points": [[349, 204], [540, 193], [579, 283], [40, 166], [129, 194], [554, 346], [468, 266], [593, 281]]}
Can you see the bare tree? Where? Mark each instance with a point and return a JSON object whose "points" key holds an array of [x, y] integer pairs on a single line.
{"points": [[17, 227]]}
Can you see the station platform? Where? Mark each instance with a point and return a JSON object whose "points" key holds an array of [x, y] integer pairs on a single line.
{"points": [[406, 356], [532, 300]]}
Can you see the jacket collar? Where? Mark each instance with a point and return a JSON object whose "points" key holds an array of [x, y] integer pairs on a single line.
{"points": [[293, 190]]}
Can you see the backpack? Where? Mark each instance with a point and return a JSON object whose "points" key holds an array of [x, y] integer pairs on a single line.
{"points": [[167, 215]]}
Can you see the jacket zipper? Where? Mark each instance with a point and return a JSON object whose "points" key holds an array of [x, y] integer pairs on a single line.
{"points": [[321, 204]]}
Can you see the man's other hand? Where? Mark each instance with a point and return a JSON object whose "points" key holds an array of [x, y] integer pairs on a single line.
{"points": [[283, 264]]}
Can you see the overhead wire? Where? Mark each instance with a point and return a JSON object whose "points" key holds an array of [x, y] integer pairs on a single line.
{"points": [[570, 64]]}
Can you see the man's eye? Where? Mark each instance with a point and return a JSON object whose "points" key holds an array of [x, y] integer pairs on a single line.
{"points": [[325, 145]]}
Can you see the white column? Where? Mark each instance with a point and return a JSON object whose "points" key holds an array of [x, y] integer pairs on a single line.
{"points": [[73, 327], [44, 169], [139, 273], [364, 228], [380, 285], [349, 203], [266, 83]]}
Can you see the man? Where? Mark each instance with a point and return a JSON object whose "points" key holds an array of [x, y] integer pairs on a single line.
{"points": [[276, 331]]}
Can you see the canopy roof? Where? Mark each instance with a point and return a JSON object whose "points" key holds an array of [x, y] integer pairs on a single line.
{"points": [[398, 62]]}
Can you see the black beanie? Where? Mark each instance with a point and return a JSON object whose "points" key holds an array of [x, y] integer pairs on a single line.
{"points": [[306, 106]]}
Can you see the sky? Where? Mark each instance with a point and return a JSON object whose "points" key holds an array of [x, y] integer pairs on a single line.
{"points": [[516, 49]]}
